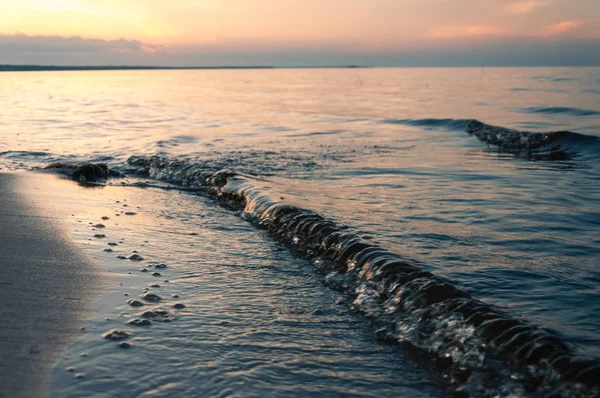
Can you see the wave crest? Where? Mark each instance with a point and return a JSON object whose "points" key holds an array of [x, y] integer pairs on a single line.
{"points": [[473, 344], [556, 143]]}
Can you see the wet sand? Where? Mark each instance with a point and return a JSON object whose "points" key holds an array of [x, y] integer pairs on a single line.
{"points": [[47, 287]]}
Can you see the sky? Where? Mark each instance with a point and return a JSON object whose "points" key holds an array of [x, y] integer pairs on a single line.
{"points": [[300, 32]]}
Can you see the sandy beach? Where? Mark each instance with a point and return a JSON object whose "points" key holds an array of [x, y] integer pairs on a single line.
{"points": [[47, 286]]}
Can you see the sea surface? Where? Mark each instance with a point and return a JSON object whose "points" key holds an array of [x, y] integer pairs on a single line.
{"points": [[442, 168]]}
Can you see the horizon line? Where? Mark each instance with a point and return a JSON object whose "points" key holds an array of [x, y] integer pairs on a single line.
{"points": [[66, 68]]}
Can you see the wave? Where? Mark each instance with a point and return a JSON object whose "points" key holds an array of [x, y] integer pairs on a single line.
{"points": [[449, 124], [554, 145], [473, 344], [554, 78], [557, 110], [20, 154]]}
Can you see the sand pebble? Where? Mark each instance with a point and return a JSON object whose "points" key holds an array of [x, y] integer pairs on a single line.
{"points": [[116, 335], [135, 302], [105, 218], [155, 286], [140, 322], [151, 297], [136, 257], [160, 266], [175, 296], [79, 375], [144, 270], [158, 315], [122, 257], [124, 344], [108, 250], [99, 226], [70, 369], [156, 274], [125, 294], [179, 305], [113, 244], [130, 213], [100, 236]]}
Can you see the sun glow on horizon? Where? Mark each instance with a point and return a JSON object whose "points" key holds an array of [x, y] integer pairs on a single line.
{"points": [[337, 26]]}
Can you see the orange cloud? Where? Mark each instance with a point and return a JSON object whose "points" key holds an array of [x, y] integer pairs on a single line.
{"points": [[525, 7], [465, 31], [561, 27]]}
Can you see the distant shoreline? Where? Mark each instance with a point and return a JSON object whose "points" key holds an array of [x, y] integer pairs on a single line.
{"points": [[51, 68]]}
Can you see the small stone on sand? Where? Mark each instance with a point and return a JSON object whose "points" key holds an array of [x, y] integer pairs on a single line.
{"points": [[178, 306], [124, 344], [175, 296], [151, 297], [136, 257], [70, 369], [130, 213], [105, 218], [99, 226], [156, 274], [135, 302], [113, 244], [116, 335], [100, 236], [79, 375], [108, 250], [122, 257], [158, 315], [140, 322]]}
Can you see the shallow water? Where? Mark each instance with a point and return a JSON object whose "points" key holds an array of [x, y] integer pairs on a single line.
{"points": [[256, 322], [383, 151]]}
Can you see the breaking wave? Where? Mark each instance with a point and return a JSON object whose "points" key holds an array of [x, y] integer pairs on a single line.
{"points": [[476, 347], [431, 123], [554, 145]]}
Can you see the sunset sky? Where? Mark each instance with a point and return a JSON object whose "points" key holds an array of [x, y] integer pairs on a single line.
{"points": [[300, 32]]}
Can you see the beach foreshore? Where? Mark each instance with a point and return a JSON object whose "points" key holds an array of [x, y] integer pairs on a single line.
{"points": [[47, 286]]}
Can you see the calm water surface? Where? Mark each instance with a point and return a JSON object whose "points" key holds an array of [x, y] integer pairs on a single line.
{"points": [[383, 151]]}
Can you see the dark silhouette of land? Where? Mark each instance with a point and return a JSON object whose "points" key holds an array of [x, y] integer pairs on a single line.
{"points": [[47, 68]]}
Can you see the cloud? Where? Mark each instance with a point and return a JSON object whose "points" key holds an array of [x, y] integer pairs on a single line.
{"points": [[465, 31], [561, 27], [23, 44], [525, 7], [468, 45]]}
